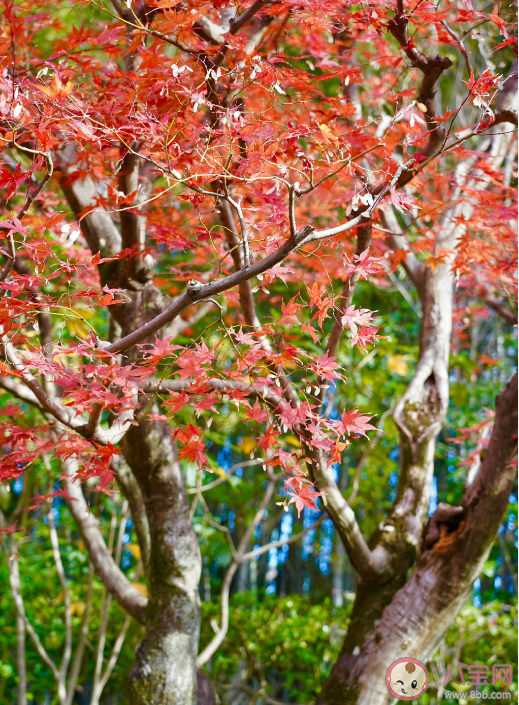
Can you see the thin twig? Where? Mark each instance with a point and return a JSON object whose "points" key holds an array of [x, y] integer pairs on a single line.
{"points": [[65, 659], [218, 638]]}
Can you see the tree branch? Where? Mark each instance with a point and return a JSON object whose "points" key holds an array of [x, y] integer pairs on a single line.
{"points": [[11, 557], [282, 542], [83, 633], [432, 68], [196, 291], [65, 659], [154, 385], [505, 313], [112, 576], [133, 494], [218, 638], [371, 565]]}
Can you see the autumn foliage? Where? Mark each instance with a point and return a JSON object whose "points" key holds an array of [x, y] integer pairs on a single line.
{"points": [[191, 192]]}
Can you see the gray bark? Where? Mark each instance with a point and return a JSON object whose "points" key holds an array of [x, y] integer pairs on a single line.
{"points": [[164, 671], [415, 619]]}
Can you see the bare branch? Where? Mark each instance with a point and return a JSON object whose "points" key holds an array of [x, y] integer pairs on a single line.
{"points": [[83, 633], [116, 650], [502, 310], [112, 576], [11, 557], [230, 471], [133, 494], [218, 638], [371, 565], [282, 542], [293, 190], [179, 325], [65, 659], [99, 681], [243, 227], [177, 385]]}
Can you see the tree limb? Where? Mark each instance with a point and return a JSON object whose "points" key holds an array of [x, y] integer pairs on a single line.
{"points": [[218, 638], [112, 576], [372, 565]]}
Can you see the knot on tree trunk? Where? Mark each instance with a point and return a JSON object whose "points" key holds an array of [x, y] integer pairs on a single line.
{"points": [[444, 526], [420, 415]]}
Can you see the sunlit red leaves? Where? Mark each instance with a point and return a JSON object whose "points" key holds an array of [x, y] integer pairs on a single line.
{"points": [[401, 200], [365, 336], [192, 446], [364, 264], [94, 460], [336, 453], [57, 90], [322, 303], [356, 317], [301, 491], [441, 257], [192, 362], [161, 349], [269, 438], [326, 367], [303, 496], [354, 422], [12, 180], [289, 311], [288, 128], [7, 371], [21, 445]]}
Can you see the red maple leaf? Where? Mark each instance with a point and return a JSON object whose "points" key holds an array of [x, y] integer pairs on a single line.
{"points": [[256, 413], [354, 422]]}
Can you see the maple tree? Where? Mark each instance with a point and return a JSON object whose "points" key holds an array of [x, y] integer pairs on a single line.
{"points": [[168, 168]]}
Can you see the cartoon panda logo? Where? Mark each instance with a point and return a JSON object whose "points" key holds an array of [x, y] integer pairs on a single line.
{"points": [[407, 679]]}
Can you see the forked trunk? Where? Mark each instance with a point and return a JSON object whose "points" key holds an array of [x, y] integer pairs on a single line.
{"points": [[413, 622]]}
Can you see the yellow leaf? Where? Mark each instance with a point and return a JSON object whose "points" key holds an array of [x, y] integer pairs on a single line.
{"points": [[78, 327], [66, 359], [397, 364], [77, 608], [292, 440], [247, 444], [327, 133], [135, 549], [57, 89], [141, 588]]}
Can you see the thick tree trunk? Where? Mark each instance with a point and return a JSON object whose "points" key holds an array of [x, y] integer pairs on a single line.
{"points": [[164, 672], [412, 620]]}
